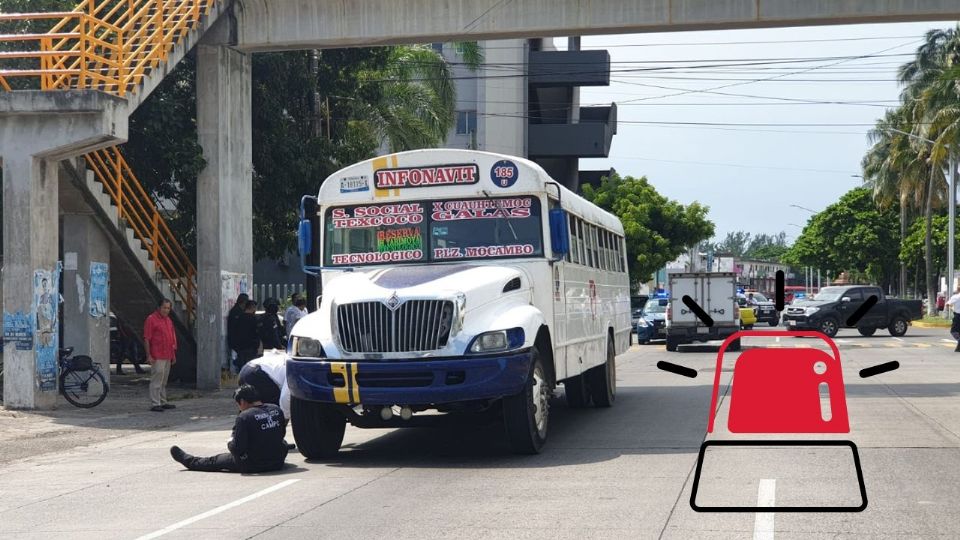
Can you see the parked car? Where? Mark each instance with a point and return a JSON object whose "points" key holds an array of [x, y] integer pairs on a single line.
{"points": [[652, 323], [748, 314], [637, 302], [832, 308], [766, 310]]}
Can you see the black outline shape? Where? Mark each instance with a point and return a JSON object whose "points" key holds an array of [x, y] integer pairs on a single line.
{"points": [[676, 369], [697, 310], [862, 310], [879, 368], [779, 300], [753, 509]]}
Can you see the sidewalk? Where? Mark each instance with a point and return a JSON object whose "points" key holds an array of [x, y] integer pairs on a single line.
{"points": [[25, 434]]}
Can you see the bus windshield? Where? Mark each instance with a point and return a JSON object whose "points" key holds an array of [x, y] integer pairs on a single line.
{"points": [[433, 231]]}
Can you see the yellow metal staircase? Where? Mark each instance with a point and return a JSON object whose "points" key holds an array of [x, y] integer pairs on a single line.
{"points": [[112, 46]]}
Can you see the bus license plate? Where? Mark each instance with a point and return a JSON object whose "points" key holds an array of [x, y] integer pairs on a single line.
{"points": [[703, 330]]}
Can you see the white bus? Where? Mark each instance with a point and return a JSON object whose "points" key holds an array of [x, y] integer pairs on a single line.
{"points": [[452, 281]]}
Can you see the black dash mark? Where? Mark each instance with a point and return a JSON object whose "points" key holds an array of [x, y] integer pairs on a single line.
{"points": [[697, 310], [879, 368], [779, 301], [679, 370], [862, 310]]}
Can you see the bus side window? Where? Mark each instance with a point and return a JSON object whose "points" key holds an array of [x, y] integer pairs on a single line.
{"points": [[574, 251], [581, 240]]}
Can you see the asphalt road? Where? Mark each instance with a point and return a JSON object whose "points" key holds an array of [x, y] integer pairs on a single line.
{"points": [[624, 472]]}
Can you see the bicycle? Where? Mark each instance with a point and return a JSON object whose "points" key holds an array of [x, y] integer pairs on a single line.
{"points": [[81, 382]]}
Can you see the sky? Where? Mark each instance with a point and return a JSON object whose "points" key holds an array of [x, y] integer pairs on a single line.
{"points": [[766, 147]]}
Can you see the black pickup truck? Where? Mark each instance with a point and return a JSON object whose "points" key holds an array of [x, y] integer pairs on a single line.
{"points": [[831, 309]]}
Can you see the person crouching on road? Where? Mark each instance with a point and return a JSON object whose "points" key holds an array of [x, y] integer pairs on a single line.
{"points": [[268, 375], [257, 444], [954, 302]]}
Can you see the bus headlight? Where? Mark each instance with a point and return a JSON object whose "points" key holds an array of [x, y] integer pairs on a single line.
{"points": [[496, 341], [307, 348]]}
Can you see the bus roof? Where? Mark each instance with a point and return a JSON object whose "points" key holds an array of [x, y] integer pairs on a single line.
{"points": [[446, 173]]}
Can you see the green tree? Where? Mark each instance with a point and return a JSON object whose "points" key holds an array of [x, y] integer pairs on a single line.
{"points": [[735, 243], [767, 246], [657, 229], [912, 249], [850, 235]]}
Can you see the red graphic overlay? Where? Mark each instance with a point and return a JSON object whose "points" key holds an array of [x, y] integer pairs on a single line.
{"points": [[778, 390]]}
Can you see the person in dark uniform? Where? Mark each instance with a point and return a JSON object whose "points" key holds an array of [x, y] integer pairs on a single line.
{"points": [[247, 341], [270, 328], [233, 316], [257, 444]]}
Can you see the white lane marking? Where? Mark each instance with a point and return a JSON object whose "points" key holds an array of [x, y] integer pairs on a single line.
{"points": [[948, 340], [896, 338], [842, 340], [767, 498], [217, 510], [778, 339]]}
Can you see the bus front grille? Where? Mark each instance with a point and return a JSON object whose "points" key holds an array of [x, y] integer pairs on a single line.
{"points": [[413, 326]]}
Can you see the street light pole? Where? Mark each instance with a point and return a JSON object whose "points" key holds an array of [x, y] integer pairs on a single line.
{"points": [[951, 222]]}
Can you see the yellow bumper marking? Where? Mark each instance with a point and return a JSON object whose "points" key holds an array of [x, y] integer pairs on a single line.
{"points": [[341, 394]]}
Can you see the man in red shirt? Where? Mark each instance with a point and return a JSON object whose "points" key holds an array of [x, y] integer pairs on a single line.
{"points": [[160, 342]]}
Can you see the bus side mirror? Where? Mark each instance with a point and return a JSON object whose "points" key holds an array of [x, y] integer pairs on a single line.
{"points": [[304, 240], [559, 235]]}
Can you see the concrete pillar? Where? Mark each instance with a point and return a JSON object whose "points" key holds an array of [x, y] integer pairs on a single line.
{"points": [[86, 300], [37, 130], [224, 199], [30, 240], [501, 101]]}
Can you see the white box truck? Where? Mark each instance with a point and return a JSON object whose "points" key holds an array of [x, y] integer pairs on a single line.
{"points": [[716, 294]]}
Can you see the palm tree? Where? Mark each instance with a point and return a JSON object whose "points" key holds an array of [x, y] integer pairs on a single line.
{"points": [[417, 100], [925, 97], [882, 172]]}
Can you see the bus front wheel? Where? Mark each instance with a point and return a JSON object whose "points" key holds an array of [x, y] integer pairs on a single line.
{"points": [[526, 415], [317, 427]]}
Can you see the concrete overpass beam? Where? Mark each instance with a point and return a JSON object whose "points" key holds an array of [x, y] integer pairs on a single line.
{"points": [[224, 199], [301, 24]]}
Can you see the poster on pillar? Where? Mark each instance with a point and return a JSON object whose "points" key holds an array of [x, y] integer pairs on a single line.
{"points": [[46, 302], [99, 283]]}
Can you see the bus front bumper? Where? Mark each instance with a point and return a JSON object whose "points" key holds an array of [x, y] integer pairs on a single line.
{"points": [[408, 382]]}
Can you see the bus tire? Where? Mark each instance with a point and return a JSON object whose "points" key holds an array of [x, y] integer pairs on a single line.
{"points": [[672, 344], [576, 393], [526, 415], [317, 428], [602, 380]]}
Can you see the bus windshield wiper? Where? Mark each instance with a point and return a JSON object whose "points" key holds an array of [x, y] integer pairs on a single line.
{"points": [[503, 214]]}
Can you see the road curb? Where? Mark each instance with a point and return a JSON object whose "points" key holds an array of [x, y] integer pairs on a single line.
{"points": [[919, 324]]}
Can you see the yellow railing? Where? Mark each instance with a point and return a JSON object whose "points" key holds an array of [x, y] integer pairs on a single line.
{"points": [[110, 46], [107, 45], [136, 208]]}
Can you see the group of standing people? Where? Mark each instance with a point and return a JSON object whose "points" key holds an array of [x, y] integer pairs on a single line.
{"points": [[249, 333]]}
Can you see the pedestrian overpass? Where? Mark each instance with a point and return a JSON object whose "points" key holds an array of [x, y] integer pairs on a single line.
{"points": [[63, 117]]}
